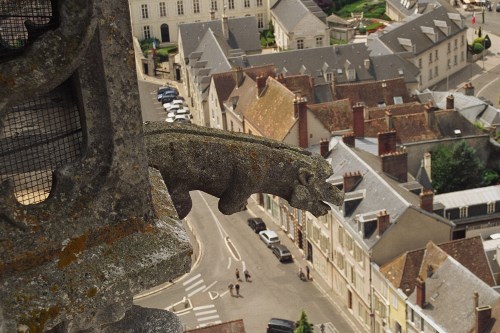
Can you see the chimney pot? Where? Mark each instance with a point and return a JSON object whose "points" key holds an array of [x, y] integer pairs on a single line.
{"points": [[450, 102], [383, 221], [358, 120], [420, 288], [427, 200], [349, 139]]}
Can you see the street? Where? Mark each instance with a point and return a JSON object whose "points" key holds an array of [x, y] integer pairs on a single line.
{"points": [[226, 243]]}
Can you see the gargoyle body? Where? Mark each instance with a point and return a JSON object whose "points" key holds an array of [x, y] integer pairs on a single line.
{"points": [[233, 166]]}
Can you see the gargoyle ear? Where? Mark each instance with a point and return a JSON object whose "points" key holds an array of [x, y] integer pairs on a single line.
{"points": [[305, 177]]}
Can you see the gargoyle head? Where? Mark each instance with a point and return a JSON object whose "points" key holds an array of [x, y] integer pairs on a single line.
{"points": [[312, 189]]}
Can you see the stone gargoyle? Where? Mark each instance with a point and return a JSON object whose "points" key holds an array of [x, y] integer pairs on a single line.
{"points": [[233, 166]]}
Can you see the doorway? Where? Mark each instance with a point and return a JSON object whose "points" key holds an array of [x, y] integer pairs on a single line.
{"points": [[165, 33]]}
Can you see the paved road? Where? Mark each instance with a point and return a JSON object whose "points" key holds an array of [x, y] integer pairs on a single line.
{"points": [[227, 243]]}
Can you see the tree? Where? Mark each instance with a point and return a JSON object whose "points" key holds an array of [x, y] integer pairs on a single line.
{"points": [[456, 168], [303, 325]]}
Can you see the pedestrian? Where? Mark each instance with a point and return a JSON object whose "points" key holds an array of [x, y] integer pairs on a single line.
{"points": [[307, 272], [237, 290], [231, 286], [237, 273], [247, 275]]}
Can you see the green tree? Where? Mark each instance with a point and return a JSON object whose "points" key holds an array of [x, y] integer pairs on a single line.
{"points": [[456, 168], [303, 325], [477, 48]]}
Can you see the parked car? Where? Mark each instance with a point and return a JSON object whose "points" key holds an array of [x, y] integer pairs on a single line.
{"points": [[168, 97], [282, 253], [497, 8], [183, 110], [164, 89], [277, 325], [269, 237], [256, 224], [176, 101], [182, 118]]}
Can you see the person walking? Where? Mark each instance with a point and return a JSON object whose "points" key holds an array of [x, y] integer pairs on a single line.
{"points": [[230, 287], [247, 275], [237, 290], [307, 272], [237, 273]]}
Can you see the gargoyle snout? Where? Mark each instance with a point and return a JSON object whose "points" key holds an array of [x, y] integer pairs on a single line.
{"points": [[332, 194]]}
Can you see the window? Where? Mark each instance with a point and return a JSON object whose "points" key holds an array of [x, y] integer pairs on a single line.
{"points": [[213, 5], [260, 21], [319, 41], [300, 44], [430, 73], [455, 58], [329, 76], [462, 58], [247, 3], [341, 236], [490, 208], [144, 11], [462, 40], [146, 32], [163, 9], [348, 242], [436, 73], [449, 47], [180, 7], [231, 4], [395, 301], [420, 63], [259, 3], [196, 6], [456, 44], [436, 55], [463, 211], [430, 58]]}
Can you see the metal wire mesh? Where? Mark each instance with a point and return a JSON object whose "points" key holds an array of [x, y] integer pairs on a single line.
{"points": [[22, 21], [39, 136]]}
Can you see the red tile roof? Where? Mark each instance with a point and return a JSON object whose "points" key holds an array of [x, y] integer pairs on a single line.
{"points": [[235, 326], [335, 116]]}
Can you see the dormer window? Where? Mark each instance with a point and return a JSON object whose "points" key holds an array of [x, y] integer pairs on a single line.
{"points": [[490, 207], [464, 212], [351, 74]]}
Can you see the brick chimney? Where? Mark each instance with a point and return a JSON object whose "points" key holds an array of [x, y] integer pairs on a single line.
{"points": [[427, 200], [351, 180], [395, 165], [450, 102], [324, 147], [420, 288], [349, 139], [225, 27], [386, 142], [430, 117], [238, 76], [383, 221], [261, 84], [388, 120], [300, 112], [469, 89], [358, 121], [483, 318]]}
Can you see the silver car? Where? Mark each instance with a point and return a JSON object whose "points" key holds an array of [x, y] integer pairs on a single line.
{"points": [[269, 237]]}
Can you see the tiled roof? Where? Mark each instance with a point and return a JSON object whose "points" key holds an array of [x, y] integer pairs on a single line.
{"points": [[235, 326], [403, 270], [335, 116], [449, 120], [245, 94], [273, 112], [291, 12], [409, 128], [396, 110], [372, 93]]}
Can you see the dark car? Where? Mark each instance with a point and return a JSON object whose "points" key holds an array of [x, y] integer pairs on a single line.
{"points": [[277, 325], [168, 97], [497, 8], [165, 89], [282, 253], [256, 224]]}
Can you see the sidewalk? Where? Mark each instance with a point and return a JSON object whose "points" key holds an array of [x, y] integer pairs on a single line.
{"points": [[300, 261]]}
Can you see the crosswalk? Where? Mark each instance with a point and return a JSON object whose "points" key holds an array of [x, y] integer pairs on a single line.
{"points": [[194, 285], [206, 314]]}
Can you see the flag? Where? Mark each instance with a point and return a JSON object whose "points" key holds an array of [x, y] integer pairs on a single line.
{"points": [[154, 47], [473, 18]]}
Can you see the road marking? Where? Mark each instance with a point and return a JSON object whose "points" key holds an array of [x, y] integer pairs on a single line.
{"points": [[208, 318], [205, 312], [210, 286], [191, 279], [196, 291], [222, 295], [194, 285], [244, 266], [229, 263], [485, 86], [204, 307]]}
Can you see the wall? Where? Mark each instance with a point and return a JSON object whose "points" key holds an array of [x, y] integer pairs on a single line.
{"points": [[308, 29]]}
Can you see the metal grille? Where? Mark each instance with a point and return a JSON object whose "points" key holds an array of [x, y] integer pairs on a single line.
{"points": [[39, 136], [22, 21]]}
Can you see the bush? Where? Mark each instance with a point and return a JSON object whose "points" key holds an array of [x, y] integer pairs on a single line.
{"points": [[477, 48]]}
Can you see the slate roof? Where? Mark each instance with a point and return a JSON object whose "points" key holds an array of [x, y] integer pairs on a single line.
{"points": [[273, 112], [316, 61], [450, 295], [389, 66], [243, 34], [371, 93], [335, 116], [379, 195], [322, 93], [403, 270], [291, 12], [470, 197], [412, 30]]}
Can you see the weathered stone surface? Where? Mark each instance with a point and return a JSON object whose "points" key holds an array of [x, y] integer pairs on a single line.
{"points": [[140, 319], [232, 166]]}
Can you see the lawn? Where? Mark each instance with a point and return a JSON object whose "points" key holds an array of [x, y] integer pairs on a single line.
{"points": [[370, 9]]}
